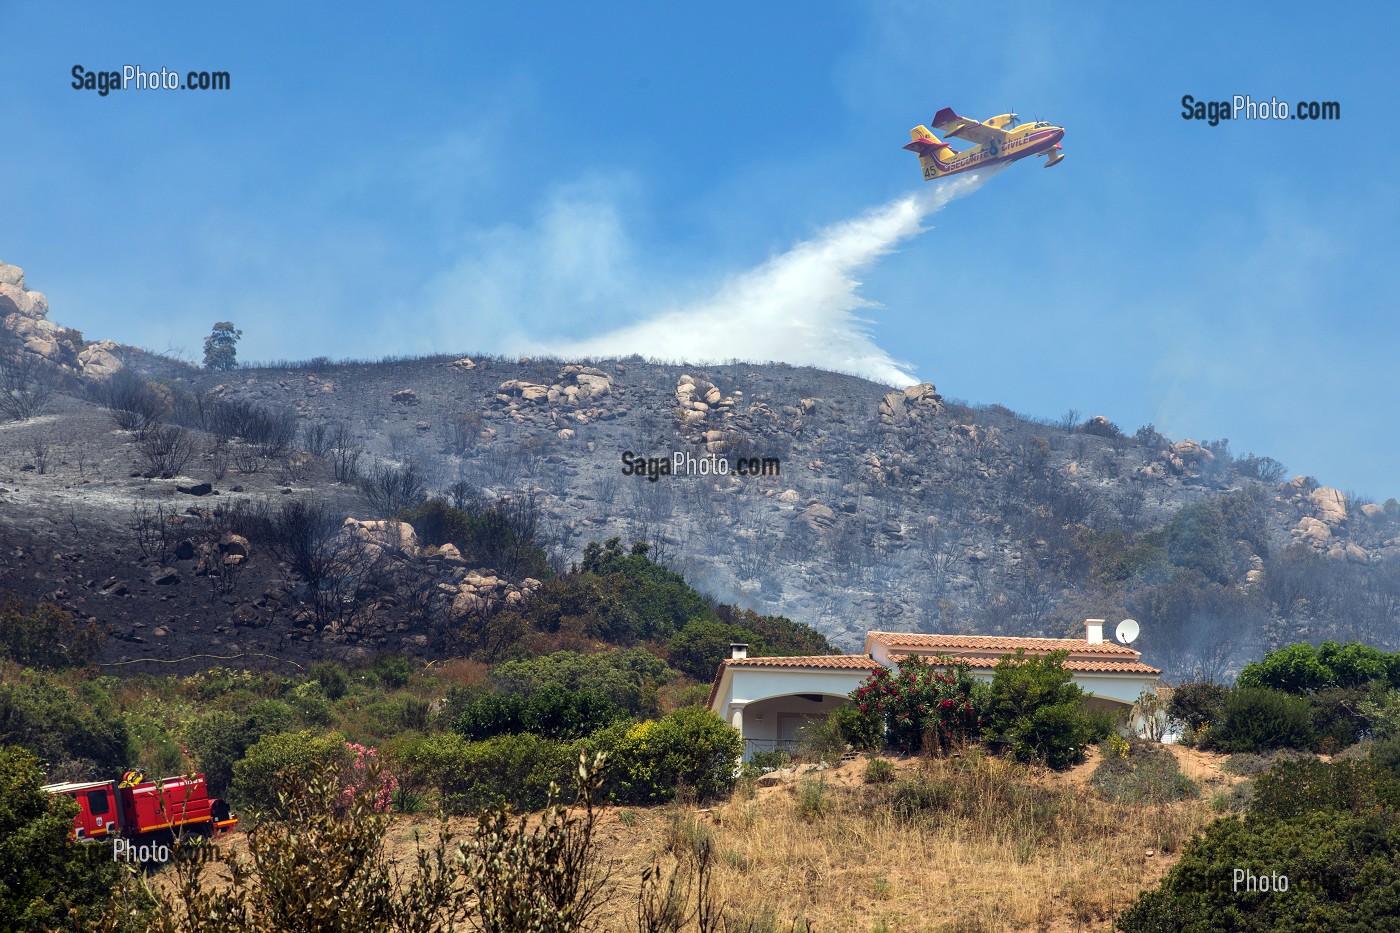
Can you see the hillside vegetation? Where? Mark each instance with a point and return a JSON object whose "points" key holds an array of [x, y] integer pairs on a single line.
{"points": [[972, 819], [894, 510]]}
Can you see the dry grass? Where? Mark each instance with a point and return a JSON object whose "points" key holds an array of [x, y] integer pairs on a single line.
{"points": [[970, 844]]}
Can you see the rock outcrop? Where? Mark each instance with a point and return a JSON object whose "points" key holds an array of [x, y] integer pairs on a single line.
{"points": [[391, 537], [24, 314], [1186, 457], [578, 395], [916, 405]]}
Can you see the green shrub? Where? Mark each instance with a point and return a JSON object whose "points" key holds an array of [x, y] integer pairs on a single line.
{"points": [[655, 600], [271, 761], [45, 636], [217, 740], [1297, 787], [630, 677], [780, 635], [393, 671], [763, 762], [71, 734], [864, 732], [553, 711], [878, 771], [414, 712], [1197, 704], [1381, 710], [151, 746], [1342, 871], [699, 647], [691, 747], [568, 714], [332, 678], [1148, 774], [1257, 719], [823, 740], [270, 716], [1301, 668], [491, 715], [1338, 719], [1035, 710], [43, 876], [309, 704], [1385, 753], [703, 642], [471, 776], [1330, 829]]}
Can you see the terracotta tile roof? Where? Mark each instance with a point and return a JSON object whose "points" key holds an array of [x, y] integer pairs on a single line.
{"points": [[1111, 667], [1126, 666], [998, 643], [823, 661]]}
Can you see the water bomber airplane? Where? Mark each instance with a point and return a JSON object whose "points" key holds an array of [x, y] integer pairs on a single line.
{"points": [[1001, 140]]}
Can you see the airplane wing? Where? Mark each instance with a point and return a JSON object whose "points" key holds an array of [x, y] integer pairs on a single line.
{"points": [[950, 124]]}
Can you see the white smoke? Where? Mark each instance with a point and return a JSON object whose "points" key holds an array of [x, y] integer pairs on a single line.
{"points": [[798, 307]]}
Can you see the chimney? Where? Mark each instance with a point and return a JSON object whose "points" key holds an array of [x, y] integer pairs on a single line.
{"points": [[738, 651], [1093, 631]]}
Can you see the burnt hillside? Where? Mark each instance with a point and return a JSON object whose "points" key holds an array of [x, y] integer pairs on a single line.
{"points": [[893, 510]]}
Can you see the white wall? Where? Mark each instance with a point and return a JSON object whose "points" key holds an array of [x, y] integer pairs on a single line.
{"points": [[748, 693]]}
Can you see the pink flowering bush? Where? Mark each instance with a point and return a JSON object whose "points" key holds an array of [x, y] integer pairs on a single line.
{"points": [[926, 697], [364, 770]]}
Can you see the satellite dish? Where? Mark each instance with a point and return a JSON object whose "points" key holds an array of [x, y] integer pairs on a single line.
{"points": [[1127, 630]]}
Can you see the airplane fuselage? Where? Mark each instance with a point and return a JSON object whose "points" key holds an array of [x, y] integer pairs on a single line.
{"points": [[1028, 140]]}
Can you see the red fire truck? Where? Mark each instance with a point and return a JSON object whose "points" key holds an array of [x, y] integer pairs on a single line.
{"points": [[136, 808]]}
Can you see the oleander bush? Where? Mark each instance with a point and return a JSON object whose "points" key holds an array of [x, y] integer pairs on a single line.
{"points": [[927, 705]]}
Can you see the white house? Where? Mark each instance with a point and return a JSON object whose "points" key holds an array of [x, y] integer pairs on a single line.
{"points": [[769, 699]]}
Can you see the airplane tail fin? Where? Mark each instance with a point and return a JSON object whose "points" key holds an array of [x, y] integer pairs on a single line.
{"points": [[933, 153]]}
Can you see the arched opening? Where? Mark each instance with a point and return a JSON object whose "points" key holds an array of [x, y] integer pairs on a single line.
{"points": [[776, 722]]}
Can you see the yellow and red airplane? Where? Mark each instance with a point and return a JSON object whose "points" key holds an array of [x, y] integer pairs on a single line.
{"points": [[1000, 141]]}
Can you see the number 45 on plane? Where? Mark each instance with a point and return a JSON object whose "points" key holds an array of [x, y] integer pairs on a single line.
{"points": [[1000, 140]]}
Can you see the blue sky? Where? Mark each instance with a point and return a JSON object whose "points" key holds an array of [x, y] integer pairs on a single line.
{"points": [[473, 177]]}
